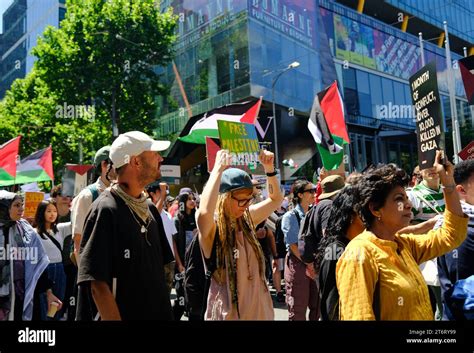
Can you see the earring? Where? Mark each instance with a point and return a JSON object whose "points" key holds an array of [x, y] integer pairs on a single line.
{"points": [[379, 218]]}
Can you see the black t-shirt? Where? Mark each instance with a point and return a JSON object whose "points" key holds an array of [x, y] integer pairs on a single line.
{"points": [[323, 211], [113, 247], [189, 222]]}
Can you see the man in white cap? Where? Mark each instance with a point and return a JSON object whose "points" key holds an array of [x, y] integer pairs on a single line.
{"points": [[123, 249]]}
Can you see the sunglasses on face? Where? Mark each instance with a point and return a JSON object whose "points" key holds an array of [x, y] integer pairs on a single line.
{"points": [[311, 191], [243, 202]]}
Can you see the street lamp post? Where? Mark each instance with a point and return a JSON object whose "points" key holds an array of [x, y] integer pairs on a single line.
{"points": [[293, 65]]}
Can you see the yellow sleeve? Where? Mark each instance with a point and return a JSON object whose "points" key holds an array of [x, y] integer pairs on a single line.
{"points": [[437, 242], [356, 277]]}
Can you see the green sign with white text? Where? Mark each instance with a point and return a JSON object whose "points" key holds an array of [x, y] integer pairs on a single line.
{"points": [[241, 141]]}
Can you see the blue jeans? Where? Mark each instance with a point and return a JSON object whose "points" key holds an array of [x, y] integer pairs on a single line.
{"points": [[58, 277]]}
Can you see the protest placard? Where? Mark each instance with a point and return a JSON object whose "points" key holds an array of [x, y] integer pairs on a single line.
{"points": [[467, 152], [241, 141], [32, 200], [429, 127]]}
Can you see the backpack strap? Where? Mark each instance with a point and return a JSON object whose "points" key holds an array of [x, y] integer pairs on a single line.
{"points": [[297, 215], [94, 191], [55, 242]]}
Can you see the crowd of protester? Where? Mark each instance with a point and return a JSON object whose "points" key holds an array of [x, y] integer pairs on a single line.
{"points": [[377, 245]]}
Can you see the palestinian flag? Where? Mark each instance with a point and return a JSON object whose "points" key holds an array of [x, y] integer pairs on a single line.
{"points": [[75, 178], [38, 166], [8, 156], [326, 124], [245, 112], [467, 72]]}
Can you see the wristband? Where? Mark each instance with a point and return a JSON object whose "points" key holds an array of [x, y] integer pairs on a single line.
{"points": [[448, 187], [272, 174]]}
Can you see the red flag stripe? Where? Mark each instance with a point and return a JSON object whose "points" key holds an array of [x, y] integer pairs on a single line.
{"points": [[8, 155], [331, 105], [80, 169], [46, 162], [251, 115]]}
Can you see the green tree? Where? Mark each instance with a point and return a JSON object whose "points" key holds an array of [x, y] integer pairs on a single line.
{"points": [[105, 55], [30, 109]]}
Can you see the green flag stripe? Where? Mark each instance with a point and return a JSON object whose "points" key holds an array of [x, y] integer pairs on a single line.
{"points": [[5, 178], [332, 161], [199, 136], [31, 176]]}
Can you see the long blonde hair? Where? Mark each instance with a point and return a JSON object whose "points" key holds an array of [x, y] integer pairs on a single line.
{"points": [[226, 225]]}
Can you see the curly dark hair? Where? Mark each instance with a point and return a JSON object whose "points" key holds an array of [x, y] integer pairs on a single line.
{"points": [[298, 187], [343, 209], [375, 186]]}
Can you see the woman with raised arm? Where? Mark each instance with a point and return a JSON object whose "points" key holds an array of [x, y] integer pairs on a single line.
{"points": [[378, 275], [226, 222]]}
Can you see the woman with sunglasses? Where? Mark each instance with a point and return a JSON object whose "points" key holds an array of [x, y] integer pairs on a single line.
{"points": [[185, 223], [300, 284], [226, 221]]}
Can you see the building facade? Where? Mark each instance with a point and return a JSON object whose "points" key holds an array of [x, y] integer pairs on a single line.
{"points": [[23, 22], [231, 50]]}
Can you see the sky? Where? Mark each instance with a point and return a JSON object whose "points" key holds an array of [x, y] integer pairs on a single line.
{"points": [[4, 4]]}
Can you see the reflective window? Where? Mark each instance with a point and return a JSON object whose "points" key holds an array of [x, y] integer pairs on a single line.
{"points": [[363, 82], [365, 104], [399, 93], [376, 93], [387, 91], [349, 78]]}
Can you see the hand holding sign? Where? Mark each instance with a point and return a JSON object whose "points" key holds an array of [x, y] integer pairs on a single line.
{"points": [[267, 158], [445, 171], [223, 160]]}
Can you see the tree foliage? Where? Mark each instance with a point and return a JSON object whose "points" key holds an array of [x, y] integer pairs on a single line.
{"points": [[105, 55]]}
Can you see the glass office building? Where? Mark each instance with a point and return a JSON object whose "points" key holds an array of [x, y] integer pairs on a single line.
{"points": [[23, 22], [374, 62], [231, 50], [457, 13]]}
